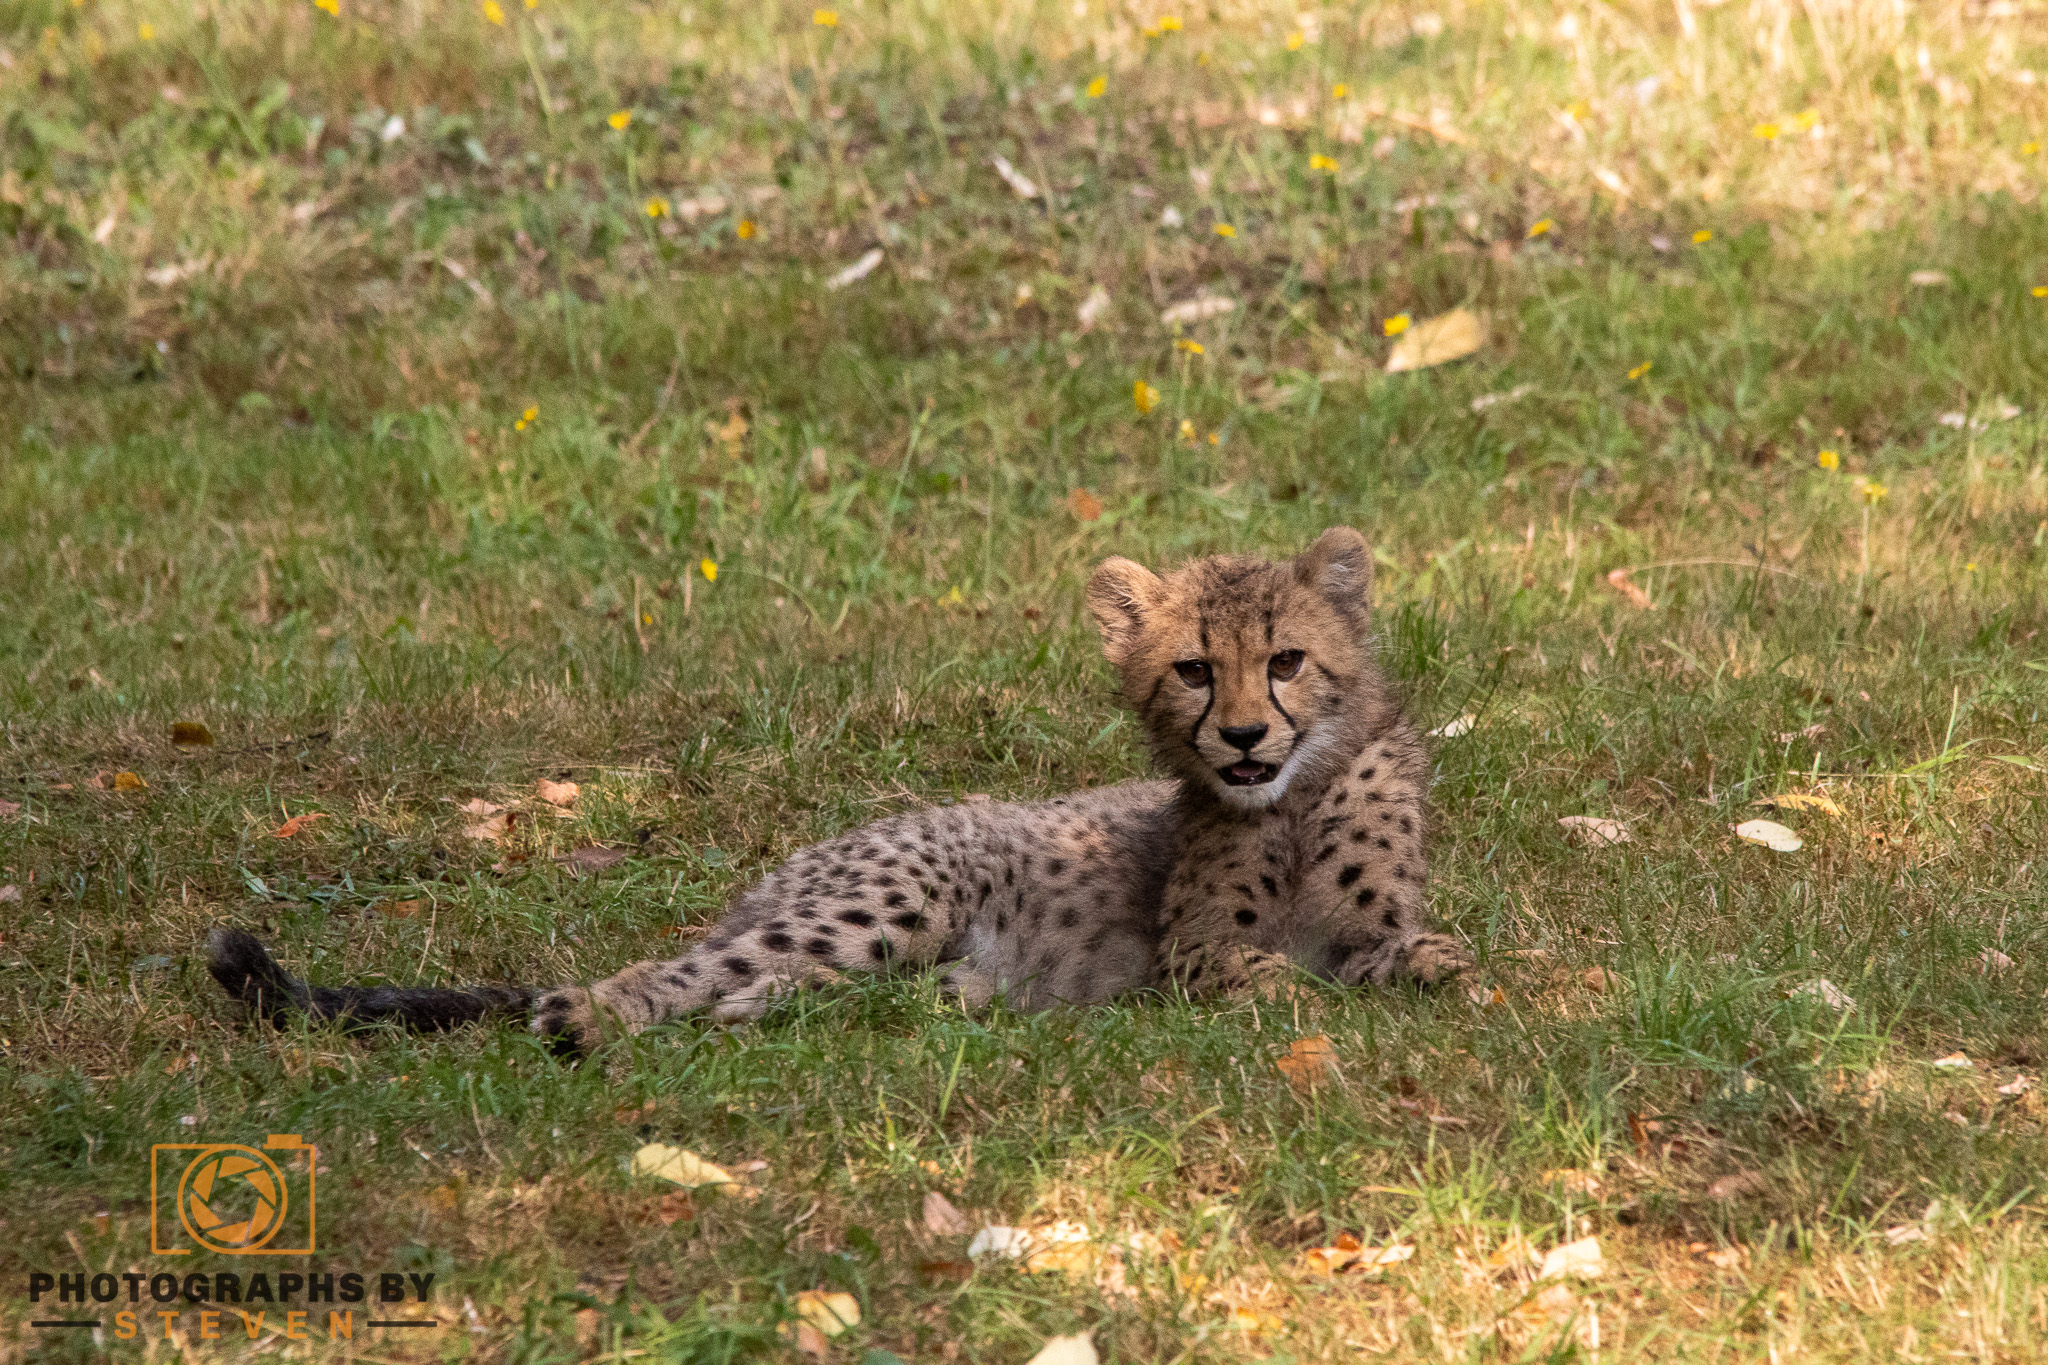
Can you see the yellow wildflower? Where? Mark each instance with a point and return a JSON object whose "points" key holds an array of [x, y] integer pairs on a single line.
{"points": [[494, 12], [709, 568], [1396, 324], [1340, 91], [532, 414], [2041, 291], [1767, 131], [1874, 492], [1187, 430], [1970, 567], [1215, 439], [1225, 230], [1703, 235], [1144, 396], [1540, 226], [952, 598], [1202, 59], [146, 32], [620, 120], [825, 18], [1169, 23], [329, 6], [746, 229], [1578, 111], [1806, 118], [1295, 40], [1318, 162], [1191, 347], [1152, 32], [1097, 86], [2030, 149], [533, 4], [1828, 459], [1639, 371], [657, 207]]}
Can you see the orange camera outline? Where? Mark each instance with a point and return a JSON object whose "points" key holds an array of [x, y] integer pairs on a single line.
{"points": [[274, 1142]]}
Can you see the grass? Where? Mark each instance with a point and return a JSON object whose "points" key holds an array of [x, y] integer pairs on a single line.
{"points": [[267, 469]]}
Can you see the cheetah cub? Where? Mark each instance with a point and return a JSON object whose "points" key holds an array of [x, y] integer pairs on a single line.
{"points": [[1289, 836]]}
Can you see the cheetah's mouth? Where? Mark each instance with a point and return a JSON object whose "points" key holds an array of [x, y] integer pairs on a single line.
{"points": [[1248, 774]]}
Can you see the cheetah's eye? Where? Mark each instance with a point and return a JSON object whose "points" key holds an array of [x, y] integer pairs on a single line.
{"points": [[1285, 664], [1193, 672]]}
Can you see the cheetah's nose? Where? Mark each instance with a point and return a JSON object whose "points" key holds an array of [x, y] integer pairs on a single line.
{"points": [[1242, 736]]}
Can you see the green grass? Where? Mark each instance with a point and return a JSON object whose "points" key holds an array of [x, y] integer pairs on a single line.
{"points": [[286, 494]]}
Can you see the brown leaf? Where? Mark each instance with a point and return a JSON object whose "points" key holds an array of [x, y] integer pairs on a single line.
{"points": [[1736, 1185], [1600, 979], [1618, 580], [10, 894], [1593, 831], [1639, 1133], [633, 1113], [1309, 1062], [592, 858], [400, 909], [942, 1218], [556, 793], [190, 734], [298, 823], [1574, 1181], [125, 781], [674, 1207], [1084, 505], [932, 1274], [479, 807], [493, 829], [9, 809]]}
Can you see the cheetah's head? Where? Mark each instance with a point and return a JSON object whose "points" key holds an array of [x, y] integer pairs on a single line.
{"points": [[1247, 674]]}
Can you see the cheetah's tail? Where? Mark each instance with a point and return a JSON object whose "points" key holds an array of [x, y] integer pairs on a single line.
{"points": [[246, 971]]}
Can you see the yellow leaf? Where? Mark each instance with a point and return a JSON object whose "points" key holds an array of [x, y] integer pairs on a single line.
{"points": [[188, 734], [1801, 801], [829, 1312], [1436, 341], [681, 1167], [1770, 834], [125, 781]]}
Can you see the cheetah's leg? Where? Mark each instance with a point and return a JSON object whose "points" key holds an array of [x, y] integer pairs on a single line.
{"points": [[1232, 970], [1426, 959]]}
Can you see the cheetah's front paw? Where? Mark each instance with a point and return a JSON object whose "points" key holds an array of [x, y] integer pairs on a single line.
{"points": [[567, 1017], [1429, 959]]}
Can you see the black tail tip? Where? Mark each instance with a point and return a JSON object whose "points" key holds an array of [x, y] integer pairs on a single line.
{"points": [[246, 971]]}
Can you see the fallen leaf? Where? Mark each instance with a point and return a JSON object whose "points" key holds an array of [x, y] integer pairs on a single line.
{"points": [[1833, 996], [2019, 1085], [1488, 400], [1451, 729], [9, 809], [1801, 801], [1593, 831], [1200, 308], [831, 1312], [1600, 979], [1904, 1233], [1736, 1185], [1993, 962], [298, 823], [996, 1240], [1955, 1061], [408, 909], [1093, 308], [556, 793], [1309, 1062], [1246, 1319], [479, 807], [1770, 834], [1084, 505], [190, 734], [1580, 1258], [934, 1273], [180, 1063], [1483, 996], [1020, 184], [858, 271], [491, 830], [1809, 733], [633, 1113], [941, 1218], [807, 1339], [592, 858], [680, 1167], [1728, 1258], [1437, 341], [1928, 278], [10, 894], [1618, 580], [1348, 1254], [125, 781], [1574, 1181], [441, 1198], [1074, 1350]]}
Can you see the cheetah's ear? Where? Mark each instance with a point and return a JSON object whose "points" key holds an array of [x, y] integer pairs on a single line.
{"points": [[1119, 596], [1339, 565]]}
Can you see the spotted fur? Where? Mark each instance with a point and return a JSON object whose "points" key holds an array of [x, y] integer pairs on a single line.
{"points": [[1289, 834]]}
